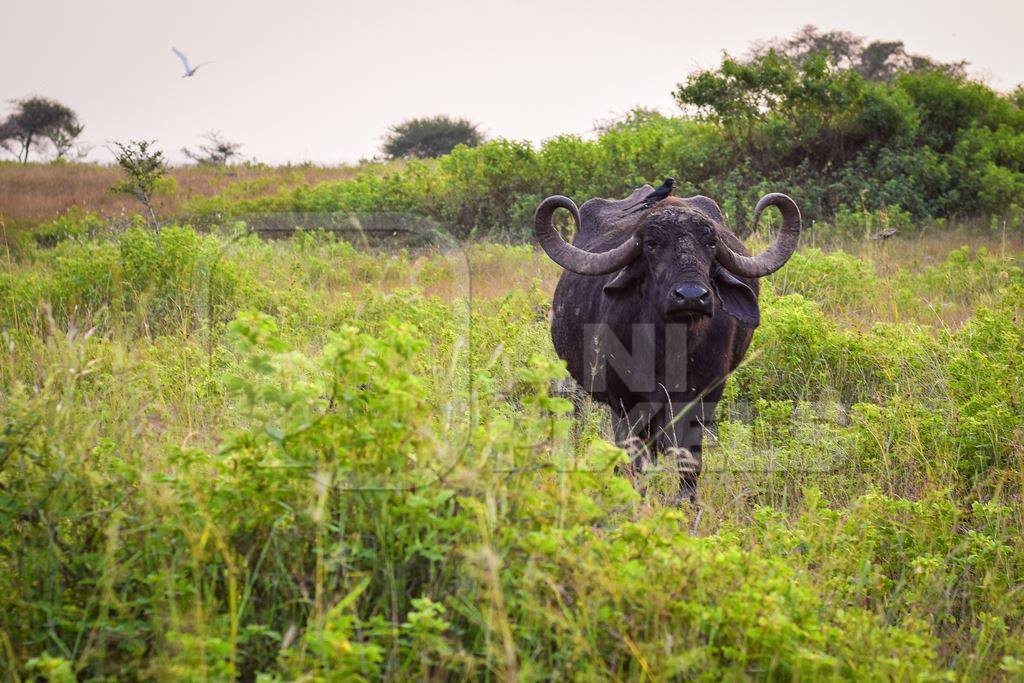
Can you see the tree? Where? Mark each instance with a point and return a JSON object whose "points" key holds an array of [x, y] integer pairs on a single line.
{"points": [[425, 138], [853, 127], [63, 140], [145, 167], [1017, 96], [878, 61], [842, 47], [634, 119], [36, 120], [216, 152], [774, 111]]}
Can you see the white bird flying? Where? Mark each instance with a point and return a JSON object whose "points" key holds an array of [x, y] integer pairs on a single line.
{"points": [[189, 70]]}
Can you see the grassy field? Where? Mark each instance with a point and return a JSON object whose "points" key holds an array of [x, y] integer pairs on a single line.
{"points": [[33, 193], [227, 457]]}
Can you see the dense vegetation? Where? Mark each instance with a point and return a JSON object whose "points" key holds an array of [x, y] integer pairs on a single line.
{"points": [[221, 456], [857, 152]]}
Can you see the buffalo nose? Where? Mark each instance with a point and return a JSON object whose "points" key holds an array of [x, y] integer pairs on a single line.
{"points": [[692, 293]]}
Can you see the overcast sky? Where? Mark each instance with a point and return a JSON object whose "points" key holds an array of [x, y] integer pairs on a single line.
{"points": [[322, 81]]}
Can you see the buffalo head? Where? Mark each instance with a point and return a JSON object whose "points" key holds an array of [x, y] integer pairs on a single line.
{"points": [[677, 254]]}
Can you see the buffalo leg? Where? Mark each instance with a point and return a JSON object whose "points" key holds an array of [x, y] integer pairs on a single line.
{"points": [[681, 435], [632, 433]]}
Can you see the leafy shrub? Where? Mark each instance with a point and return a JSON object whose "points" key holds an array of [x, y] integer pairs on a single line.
{"points": [[75, 223], [172, 280]]}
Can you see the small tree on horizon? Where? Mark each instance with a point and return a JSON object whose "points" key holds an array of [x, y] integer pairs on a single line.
{"points": [[216, 152], [144, 167], [36, 120], [63, 140], [429, 137]]}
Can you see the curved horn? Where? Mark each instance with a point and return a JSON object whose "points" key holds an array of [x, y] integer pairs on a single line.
{"points": [[775, 256], [573, 258]]}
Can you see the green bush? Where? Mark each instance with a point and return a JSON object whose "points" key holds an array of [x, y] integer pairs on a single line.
{"points": [[171, 280], [73, 224]]}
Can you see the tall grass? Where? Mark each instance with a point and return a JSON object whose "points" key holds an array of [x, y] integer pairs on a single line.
{"points": [[223, 457]]}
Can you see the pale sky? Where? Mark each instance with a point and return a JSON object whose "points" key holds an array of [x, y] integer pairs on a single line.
{"points": [[322, 81]]}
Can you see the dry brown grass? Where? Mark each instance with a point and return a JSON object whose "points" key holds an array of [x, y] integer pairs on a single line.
{"points": [[931, 247], [30, 193], [885, 300]]}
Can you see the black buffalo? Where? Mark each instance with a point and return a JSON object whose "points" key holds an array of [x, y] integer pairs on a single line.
{"points": [[655, 309]]}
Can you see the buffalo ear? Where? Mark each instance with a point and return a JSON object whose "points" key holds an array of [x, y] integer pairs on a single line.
{"points": [[737, 298], [624, 280]]}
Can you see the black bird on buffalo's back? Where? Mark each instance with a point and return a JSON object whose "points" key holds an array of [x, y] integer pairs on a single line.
{"points": [[655, 196]]}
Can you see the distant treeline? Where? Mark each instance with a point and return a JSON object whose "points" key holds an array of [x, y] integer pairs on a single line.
{"points": [[854, 133]]}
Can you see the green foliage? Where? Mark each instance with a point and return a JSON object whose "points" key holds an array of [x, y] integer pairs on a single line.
{"points": [[340, 470], [174, 281], [75, 223], [928, 141]]}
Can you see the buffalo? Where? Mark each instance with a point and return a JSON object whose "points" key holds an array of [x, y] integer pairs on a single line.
{"points": [[654, 309]]}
